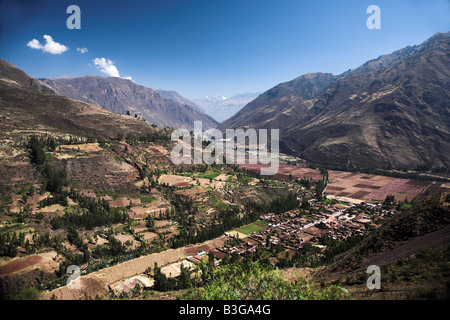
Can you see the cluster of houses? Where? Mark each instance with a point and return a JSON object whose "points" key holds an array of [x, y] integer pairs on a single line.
{"points": [[293, 229], [247, 245]]}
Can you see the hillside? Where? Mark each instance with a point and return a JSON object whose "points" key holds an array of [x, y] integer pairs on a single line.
{"points": [[26, 110], [28, 107], [423, 226], [175, 96], [122, 96], [392, 112], [282, 105], [11, 76]]}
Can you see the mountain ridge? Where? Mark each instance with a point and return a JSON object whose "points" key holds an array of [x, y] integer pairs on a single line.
{"points": [[123, 96], [391, 112], [29, 106]]}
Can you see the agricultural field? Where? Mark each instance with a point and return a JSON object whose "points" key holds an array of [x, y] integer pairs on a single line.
{"points": [[195, 193], [286, 171], [373, 187], [206, 246], [432, 189], [250, 228], [176, 181], [212, 175], [348, 185], [45, 261]]}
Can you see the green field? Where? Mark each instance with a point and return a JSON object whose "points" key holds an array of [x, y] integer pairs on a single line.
{"points": [[406, 206], [263, 222], [212, 175], [148, 199], [185, 174], [17, 227], [250, 228]]}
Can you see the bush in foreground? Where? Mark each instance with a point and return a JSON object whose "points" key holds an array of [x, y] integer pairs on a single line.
{"points": [[252, 281]]}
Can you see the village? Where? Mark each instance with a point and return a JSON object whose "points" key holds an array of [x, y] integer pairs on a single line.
{"points": [[293, 229], [289, 231]]}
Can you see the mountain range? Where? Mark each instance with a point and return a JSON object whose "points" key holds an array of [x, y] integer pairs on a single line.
{"points": [[222, 108], [123, 96], [391, 112], [29, 106]]}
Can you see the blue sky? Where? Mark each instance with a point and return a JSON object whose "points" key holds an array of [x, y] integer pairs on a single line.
{"points": [[198, 47]]}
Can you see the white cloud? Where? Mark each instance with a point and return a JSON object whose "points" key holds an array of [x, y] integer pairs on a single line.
{"points": [[34, 44], [82, 50], [107, 66], [50, 45]]}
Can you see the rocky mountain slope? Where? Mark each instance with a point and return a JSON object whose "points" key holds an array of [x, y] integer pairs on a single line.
{"points": [[27, 106], [175, 96], [13, 77], [392, 112], [122, 96], [283, 104]]}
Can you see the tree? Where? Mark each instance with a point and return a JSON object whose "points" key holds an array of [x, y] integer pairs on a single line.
{"points": [[37, 153], [389, 201], [320, 187], [211, 259], [54, 179], [184, 281], [305, 203], [306, 183], [27, 293], [150, 222]]}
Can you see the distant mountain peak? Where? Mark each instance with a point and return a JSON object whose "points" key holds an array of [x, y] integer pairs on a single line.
{"points": [[221, 108], [61, 78], [215, 96]]}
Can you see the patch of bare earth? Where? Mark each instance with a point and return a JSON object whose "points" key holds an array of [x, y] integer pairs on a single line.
{"points": [[43, 261], [96, 283], [177, 181]]}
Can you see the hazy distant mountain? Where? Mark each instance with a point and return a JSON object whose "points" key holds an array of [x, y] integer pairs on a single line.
{"points": [[222, 108], [209, 102], [393, 111], [122, 96]]}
